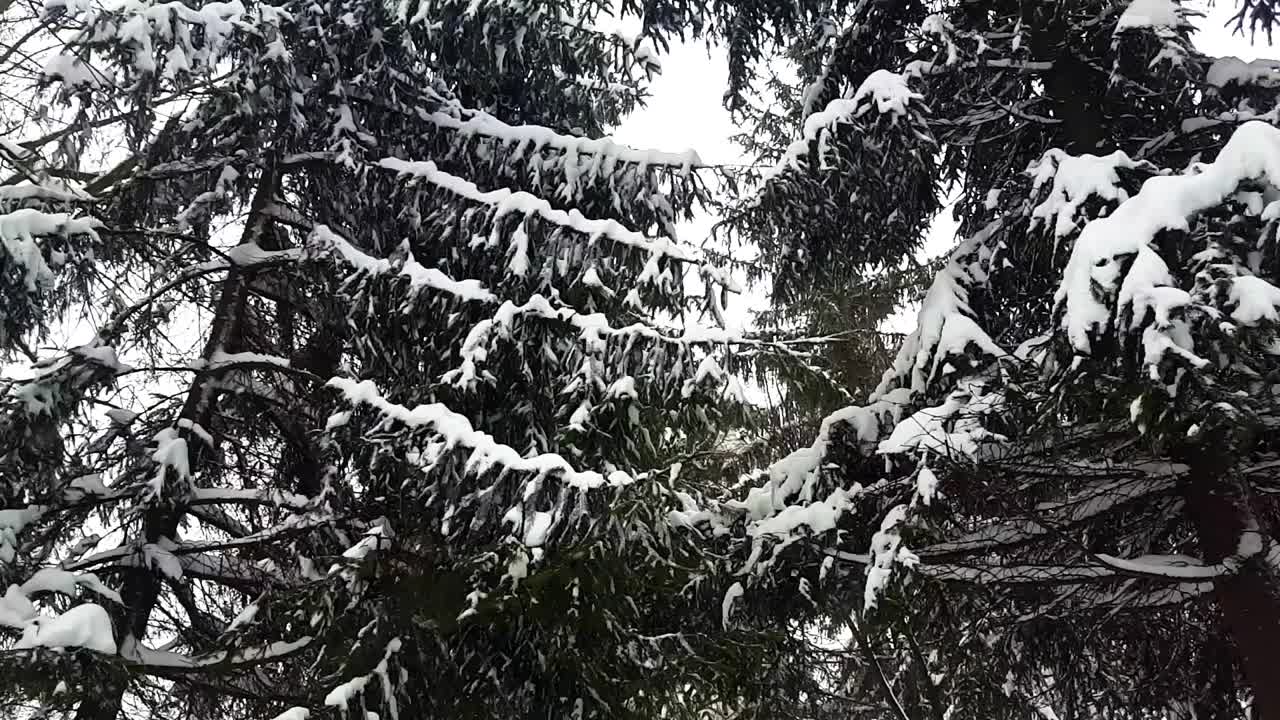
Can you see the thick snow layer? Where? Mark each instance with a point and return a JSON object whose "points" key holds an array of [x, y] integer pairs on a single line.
{"points": [[888, 91], [72, 71], [103, 355], [19, 230], [170, 454], [72, 7], [1075, 179], [959, 332], [1165, 202], [818, 517], [27, 191], [12, 521], [16, 610], [343, 694], [138, 24], [1228, 70], [1152, 14], [1145, 287], [623, 387], [83, 626], [938, 26], [50, 579], [537, 528], [1255, 300], [955, 426]]}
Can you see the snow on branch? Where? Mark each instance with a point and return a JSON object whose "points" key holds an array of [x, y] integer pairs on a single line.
{"points": [[342, 695], [1164, 203], [323, 238], [944, 324], [248, 496], [162, 662], [505, 201], [83, 626], [171, 556], [953, 427], [1233, 71], [1161, 15], [190, 39], [52, 579], [784, 509], [232, 571], [1076, 178], [593, 329], [16, 194], [486, 452], [12, 523], [1175, 568], [19, 230], [885, 91], [603, 153]]}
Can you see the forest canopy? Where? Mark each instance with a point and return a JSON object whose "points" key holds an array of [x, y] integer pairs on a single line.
{"points": [[349, 367]]}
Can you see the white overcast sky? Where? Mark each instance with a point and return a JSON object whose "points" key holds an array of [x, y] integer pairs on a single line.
{"points": [[685, 111]]}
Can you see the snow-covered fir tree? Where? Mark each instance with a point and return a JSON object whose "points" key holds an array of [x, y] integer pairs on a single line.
{"points": [[391, 391], [384, 362], [1059, 501]]}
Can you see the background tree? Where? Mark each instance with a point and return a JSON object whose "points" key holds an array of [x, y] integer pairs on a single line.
{"points": [[383, 368], [1057, 499]]}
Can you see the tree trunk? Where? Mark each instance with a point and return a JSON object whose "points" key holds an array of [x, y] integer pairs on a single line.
{"points": [[142, 585], [1249, 600], [1074, 89]]}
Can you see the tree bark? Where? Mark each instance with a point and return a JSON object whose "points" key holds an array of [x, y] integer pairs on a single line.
{"points": [[1217, 505]]}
